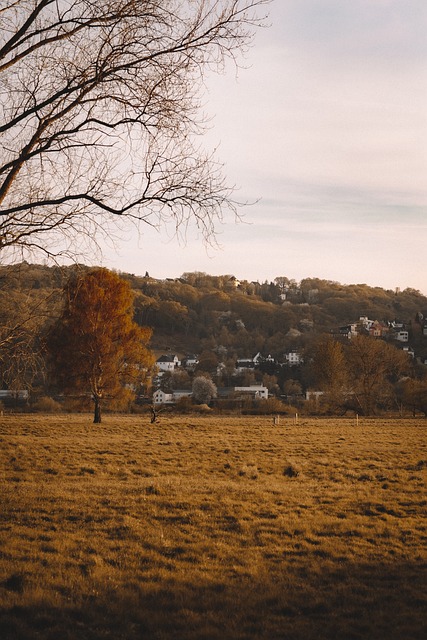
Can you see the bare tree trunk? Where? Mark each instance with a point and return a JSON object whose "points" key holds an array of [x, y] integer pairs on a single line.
{"points": [[97, 412]]}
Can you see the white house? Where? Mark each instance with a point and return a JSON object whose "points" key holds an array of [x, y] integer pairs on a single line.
{"points": [[401, 336], [168, 363], [293, 358], [254, 391], [190, 362], [161, 397]]}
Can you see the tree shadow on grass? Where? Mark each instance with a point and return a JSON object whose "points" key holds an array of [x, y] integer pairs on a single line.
{"points": [[356, 602]]}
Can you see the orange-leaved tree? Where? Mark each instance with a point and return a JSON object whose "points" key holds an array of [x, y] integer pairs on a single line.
{"points": [[95, 344]]}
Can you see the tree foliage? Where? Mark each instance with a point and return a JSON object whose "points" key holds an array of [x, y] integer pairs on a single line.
{"points": [[100, 114], [203, 390], [96, 346], [413, 393], [373, 367]]}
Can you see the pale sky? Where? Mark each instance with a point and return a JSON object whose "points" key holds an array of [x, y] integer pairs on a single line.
{"points": [[326, 129]]}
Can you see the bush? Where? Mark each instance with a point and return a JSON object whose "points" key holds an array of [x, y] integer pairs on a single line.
{"points": [[290, 471], [261, 407], [45, 404], [202, 408], [82, 404], [184, 405]]}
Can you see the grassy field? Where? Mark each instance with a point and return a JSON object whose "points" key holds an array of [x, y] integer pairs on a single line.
{"points": [[212, 528]]}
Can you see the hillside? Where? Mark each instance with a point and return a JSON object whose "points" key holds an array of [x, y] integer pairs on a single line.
{"points": [[299, 332], [198, 312]]}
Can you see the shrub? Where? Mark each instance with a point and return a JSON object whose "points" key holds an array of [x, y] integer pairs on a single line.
{"points": [[82, 404], [184, 405], [202, 408], [45, 404], [290, 472]]}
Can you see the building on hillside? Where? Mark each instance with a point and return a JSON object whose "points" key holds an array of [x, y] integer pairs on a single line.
{"points": [[167, 363], [233, 282], [293, 358], [365, 323], [243, 364], [347, 331], [190, 362], [378, 329], [401, 336]]}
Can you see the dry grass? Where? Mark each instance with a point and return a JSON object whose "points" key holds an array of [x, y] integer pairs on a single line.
{"points": [[212, 528]]}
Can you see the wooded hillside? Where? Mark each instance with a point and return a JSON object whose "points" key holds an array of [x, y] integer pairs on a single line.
{"points": [[221, 320], [198, 311]]}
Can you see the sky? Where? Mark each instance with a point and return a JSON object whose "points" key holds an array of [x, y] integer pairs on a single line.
{"points": [[324, 131]]}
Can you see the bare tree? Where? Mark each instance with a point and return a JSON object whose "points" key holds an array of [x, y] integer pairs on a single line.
{"points": [[22, 319], [100, 107]]}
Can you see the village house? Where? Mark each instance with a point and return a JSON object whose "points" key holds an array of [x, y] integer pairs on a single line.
{"points": [[293, 358], [190, 362], [161, 397], [401, 336], [167, 363], [378, 329], [243, 364], [258, 392]]}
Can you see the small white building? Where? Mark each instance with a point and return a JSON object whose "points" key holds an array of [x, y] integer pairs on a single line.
{"points": [[190, 362], [168, 363], [161, 397], [402, 336], [293, 358], [254, 391]]}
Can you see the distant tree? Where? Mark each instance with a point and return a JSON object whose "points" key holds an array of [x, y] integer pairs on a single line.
{"points": [[413, 394], [203, 390], [292, 387], [270, 381], [172, 315], [180, 379], [373, 367], [95, 345], [328, 364], [208, 361]]}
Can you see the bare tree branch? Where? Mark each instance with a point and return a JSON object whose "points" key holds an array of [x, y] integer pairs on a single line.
{"points": [[100, 111]]}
